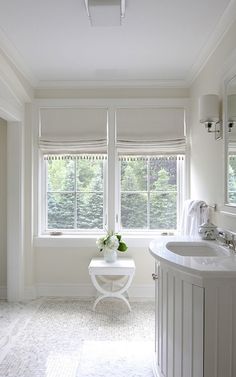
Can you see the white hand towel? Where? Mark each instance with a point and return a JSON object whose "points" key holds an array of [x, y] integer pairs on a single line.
{"points": [[195, 213]]}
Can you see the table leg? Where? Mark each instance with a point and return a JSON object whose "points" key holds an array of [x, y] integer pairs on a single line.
{"points": [[110, 294]]}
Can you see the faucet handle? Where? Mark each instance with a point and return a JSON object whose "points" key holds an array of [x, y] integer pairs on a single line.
{"points": [[222, 236]]}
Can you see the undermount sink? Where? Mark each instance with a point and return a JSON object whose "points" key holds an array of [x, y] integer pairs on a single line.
{"points": [[196, 249]]}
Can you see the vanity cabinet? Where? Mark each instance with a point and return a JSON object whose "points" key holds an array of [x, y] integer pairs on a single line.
{"points": [[195, 324]]}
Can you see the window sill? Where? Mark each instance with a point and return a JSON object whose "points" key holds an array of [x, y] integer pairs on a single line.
{"points": [[82, 241]]}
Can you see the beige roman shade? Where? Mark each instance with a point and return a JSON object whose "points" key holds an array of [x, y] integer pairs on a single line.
{"points": [[73, 129], [147, 129]]}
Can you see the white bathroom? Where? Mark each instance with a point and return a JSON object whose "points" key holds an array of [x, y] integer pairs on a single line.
{"points": [[113, 103]]}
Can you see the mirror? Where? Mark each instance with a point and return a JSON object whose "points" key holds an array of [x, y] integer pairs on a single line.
{"points": [[230, 135]]}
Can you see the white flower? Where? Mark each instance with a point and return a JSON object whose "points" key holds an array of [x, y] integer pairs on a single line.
{"points": [[100, 243], [112, 242]]}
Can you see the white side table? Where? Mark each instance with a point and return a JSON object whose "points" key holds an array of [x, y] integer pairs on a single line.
{"points": [[100, 271]]}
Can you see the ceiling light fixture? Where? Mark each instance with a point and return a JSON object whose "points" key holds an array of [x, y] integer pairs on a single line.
{"points": [[105, 13]]}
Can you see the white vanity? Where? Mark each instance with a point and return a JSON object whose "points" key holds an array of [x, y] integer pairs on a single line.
{"points": [[195, 308]]}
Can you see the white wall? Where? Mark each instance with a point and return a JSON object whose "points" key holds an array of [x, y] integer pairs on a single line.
{"points": [[64, 271], [3, 207], [207, 155]]}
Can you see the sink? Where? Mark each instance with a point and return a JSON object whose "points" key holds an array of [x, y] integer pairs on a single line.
{"points": [[196, 249]]}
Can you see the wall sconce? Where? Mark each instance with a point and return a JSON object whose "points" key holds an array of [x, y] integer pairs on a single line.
{"points": [[231, 102], [209, 111]]}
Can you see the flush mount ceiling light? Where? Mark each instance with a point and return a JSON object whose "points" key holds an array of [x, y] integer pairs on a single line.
{"points": [[104, 13]]}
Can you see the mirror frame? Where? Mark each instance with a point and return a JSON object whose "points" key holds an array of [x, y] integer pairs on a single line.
{"points": [[231, 75]]}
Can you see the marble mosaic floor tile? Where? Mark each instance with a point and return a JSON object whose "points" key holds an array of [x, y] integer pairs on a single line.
{"points": [[65, 338]]}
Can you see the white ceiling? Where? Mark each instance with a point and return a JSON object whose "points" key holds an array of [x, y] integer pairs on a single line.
{"points": [[159, 40]]}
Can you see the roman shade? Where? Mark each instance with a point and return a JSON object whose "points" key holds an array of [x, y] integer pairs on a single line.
{"points": [[149, 129], [73, 129]]}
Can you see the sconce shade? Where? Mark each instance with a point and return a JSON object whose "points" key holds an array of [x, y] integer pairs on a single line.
{"points": [[209, 108], [232, 108]]}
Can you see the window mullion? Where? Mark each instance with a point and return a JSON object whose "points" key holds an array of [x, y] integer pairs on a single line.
{"points": [[75, 193], [111, 171], [105, 224], [148, 193], [180, 187], [45, 194]]}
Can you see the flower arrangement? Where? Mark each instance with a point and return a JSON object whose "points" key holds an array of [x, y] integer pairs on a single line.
{"points": [[111, 241]]}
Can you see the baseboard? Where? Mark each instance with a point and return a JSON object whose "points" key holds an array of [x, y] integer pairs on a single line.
{"points": [[142, 292], [139, 292], [3, 292], [30, 293], [136, 292], [65, 290]]}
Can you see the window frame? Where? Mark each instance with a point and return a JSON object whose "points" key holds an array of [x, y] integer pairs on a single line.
{"points": [[44, 230], [111, 104], [180, 195]]}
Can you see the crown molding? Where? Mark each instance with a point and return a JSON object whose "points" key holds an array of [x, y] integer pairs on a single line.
{"points": [[16, 58], [222, 27], [20, 91], [129, 84]]}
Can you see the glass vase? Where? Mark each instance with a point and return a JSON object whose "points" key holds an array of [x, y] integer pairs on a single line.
{"points": [[110, 255]]}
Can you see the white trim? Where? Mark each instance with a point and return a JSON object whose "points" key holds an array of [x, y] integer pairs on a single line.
{"points": [[220, 30], [65, 290], [229, 72], [13, 55], [43, 208], [180, 189], [113, 84], [30, 293], [113, 102], [89, 241], [15, 212], [142, 292], [9, 111], [3, 292], [21, 93], [228, 210], [111, 189]]}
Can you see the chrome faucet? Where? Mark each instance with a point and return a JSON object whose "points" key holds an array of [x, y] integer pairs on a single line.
{"points": [[227, 239]]}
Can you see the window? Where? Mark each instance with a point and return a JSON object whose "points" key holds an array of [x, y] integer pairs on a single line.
{"points": [[150, 192], [74, 192], [130, 158]]}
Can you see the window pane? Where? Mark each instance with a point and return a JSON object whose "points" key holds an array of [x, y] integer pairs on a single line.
{"points": [[75, 192], [61, 211], [134, 210], [149, 192], [89, 175], [90, 210], [163, 174], [163, 211], [134, 175], [61, 175]]}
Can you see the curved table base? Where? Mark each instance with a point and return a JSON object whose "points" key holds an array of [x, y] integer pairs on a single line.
{"points": [[112, 280]]}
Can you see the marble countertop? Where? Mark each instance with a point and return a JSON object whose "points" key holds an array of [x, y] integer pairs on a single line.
{"points": [[206, 266]]}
